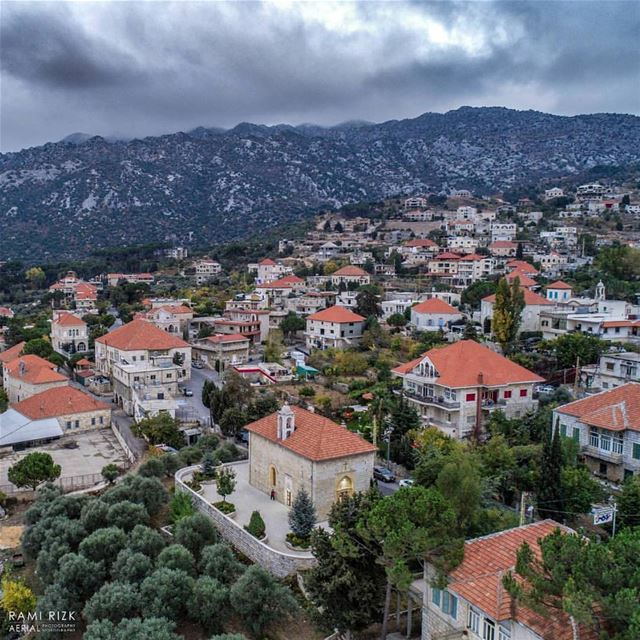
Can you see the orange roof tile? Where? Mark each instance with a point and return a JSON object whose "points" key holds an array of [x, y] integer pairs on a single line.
{"points": [[141, 335], [478, 579], [610, 324], [350, 270], [525, 280], [530, 298], [35, 370], [435, 305], [523, 266], [460, 365], [282, 283], [267, 262], [472, 257], [336, 314], [447, 255], [617, 409], [228, 337], [69, 320], [503, 244], [11, 353], [86, 291], [178, 309], [558, 284], [420, 242], [5, 312], [315, 437], [58, 402]]}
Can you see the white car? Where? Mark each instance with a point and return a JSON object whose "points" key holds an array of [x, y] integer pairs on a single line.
{"points": [[406, 482]]}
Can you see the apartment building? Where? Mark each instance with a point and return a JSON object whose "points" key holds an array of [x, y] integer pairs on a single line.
{"points": [[336, 327], [456, 388], [221, 351], [612, 370]]}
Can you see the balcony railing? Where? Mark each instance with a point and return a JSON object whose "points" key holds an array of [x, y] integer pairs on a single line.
{"points": [[602, 454], [435, 400], [492, 405]]}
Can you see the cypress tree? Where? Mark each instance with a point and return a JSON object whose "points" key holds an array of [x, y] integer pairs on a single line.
{"points": [[549, 490]]}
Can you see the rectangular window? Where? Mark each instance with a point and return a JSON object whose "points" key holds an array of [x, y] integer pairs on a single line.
{"points": [[93, 422], [594, 438], [101, 420], [563, 430], [507, 394], [636, 450], [616, 444], [488, 630], [77, 424], [436, 595], [504, 633], [576, 434], [474, 621], [450, 604], [523, 393], [605, 441], [470, 397], [68, 424]]}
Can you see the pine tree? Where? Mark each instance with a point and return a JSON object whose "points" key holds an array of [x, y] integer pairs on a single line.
{"points": [[470, 332], [519, 251], [549, 486], [302, 516]]}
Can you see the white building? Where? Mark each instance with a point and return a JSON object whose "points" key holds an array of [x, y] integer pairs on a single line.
{"points": [[206, 269], [535, 304], [555, 192], [503, 231], [336, 327], [456, 388], [434, 315], [69, 334]]}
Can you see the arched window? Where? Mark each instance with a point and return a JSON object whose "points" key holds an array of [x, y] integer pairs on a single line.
{"points": [[273, 476], [345, 488]]}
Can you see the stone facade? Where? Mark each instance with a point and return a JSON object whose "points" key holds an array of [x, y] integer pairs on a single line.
{"points": [[276, 562], [84, 421], [323, 480], [18, 389]]}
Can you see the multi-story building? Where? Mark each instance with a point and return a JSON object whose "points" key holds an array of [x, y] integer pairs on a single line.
{"points": [[456, 388], [139, 341], [416, 202], [172, 318], [554, 192], [221, 351], [267, 270], [136, 278], [593, 191], [559, 291], [530, 320], [607, 427], [278, 291], [503, 248], [613, 370], [69, 333], [336, 327], [251, 323], [206, 270], [77, 293], [145, 388], [503, 231], [475, 606]]}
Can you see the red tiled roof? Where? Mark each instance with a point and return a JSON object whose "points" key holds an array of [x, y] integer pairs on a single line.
{"points": [[610, 324], [525, 280], [11, 353], [473, 257], [617, 409], [58, 402], [315, 437], [530, 298], [558, 284], [460, 365], [350, 270], [336, 314], [503, 244], [5, 312], [69, 320], [86, 291], [435, 305], [227, 337], [36, 370], [523, 266], [83, 362], [140, 335], [267, 262], [447, 255], [478, 579], [282, 283], [420, 242], [178, 309]]}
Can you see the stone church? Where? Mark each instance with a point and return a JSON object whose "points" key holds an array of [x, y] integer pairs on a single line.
{"points": [[295, 448]]}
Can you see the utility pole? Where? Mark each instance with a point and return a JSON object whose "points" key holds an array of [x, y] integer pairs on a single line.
{"points": [[613, 524], [523, 498]]}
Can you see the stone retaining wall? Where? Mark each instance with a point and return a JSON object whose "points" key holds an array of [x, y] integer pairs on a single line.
{"points": [[278, 563]]}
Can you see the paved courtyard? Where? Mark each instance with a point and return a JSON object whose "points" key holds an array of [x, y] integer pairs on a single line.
{"points": [[248, 499], [95, 450]]}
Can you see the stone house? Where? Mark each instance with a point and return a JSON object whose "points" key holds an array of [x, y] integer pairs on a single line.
{"points": [[221, 350], [171, 318], [434, 315], [69, 333], [28, 375], [349, 275], [607, 428], [474, 605], [295, 448]]}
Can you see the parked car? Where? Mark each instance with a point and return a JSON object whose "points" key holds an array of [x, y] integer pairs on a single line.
{"points": [[382, 473], [187, 393], [165, 448], [196, 364], [545, 389], [406, 482]]}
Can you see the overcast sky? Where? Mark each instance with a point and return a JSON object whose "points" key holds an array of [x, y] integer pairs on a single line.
{"points": [[147, 68]]}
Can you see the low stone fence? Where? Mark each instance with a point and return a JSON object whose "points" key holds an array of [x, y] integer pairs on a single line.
{"points": [[131, 456], [278, 563]]}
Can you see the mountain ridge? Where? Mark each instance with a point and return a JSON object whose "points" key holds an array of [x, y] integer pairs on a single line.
{"points": [[64, 199]]}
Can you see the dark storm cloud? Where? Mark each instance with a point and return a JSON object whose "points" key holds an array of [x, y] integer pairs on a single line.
{"points": [[143, 68]]}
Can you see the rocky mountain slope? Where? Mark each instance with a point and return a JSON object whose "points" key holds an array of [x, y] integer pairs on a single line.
{"points": [[65, 198]]}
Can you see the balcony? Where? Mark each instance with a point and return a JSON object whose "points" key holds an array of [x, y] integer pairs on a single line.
{"points": [[601, 454], [493, 405], [438, 401]]}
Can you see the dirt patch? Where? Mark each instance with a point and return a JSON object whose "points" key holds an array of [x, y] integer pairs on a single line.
{"points": [[10, 535]]}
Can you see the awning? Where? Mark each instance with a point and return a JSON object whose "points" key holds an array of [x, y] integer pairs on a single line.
{"points": [[16, 428]]}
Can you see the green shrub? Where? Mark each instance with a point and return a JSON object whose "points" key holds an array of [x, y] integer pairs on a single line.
{"points": [[225, 507], [256, 526]]}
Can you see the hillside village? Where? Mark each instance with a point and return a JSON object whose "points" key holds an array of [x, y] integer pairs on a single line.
{"points": [[398, 408]]}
